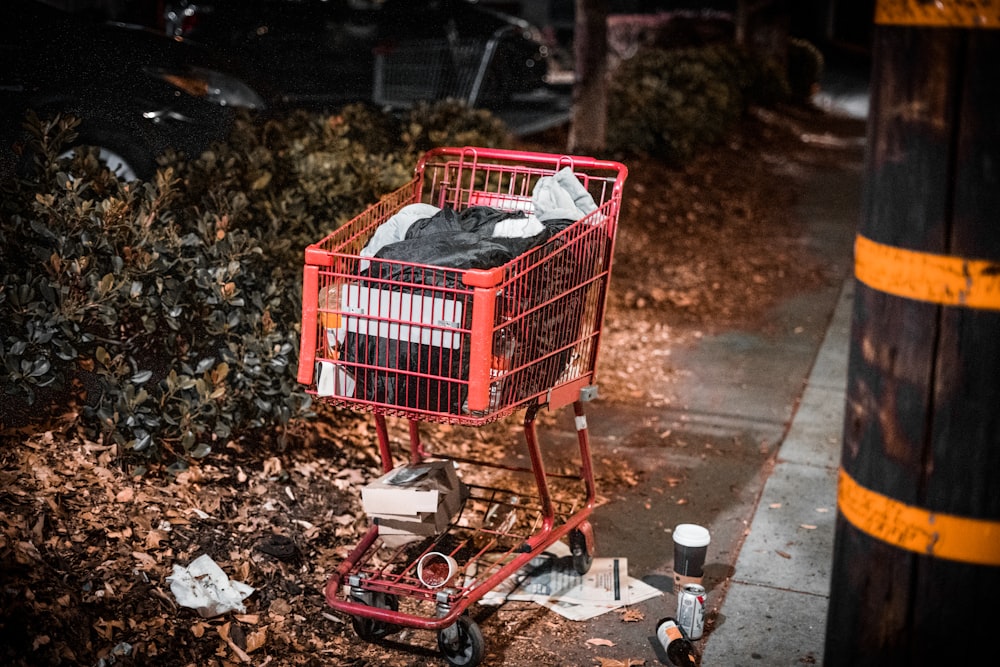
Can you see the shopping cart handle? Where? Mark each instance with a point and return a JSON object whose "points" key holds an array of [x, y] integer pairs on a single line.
{"points": [[483, 277]]}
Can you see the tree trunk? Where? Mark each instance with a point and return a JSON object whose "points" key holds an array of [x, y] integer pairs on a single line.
{"points": [[763, 27], [588, 129]]}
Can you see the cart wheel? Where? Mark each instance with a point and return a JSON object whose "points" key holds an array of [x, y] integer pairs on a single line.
{"points": [[371, 629], [581, 544], [462, 643]]}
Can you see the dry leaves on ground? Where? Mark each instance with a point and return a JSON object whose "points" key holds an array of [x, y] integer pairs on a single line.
{"points": [[85, 549]]}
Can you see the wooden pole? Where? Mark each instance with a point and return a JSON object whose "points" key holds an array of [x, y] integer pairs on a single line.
{"points": [[916, 570]]}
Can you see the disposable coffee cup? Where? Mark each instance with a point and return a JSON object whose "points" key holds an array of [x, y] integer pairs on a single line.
{"points": [[436, 569], [690, 548]]}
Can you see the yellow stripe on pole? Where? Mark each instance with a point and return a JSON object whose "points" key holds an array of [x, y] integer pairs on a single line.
{"points": [[923, 276], [939, 13], [914, 529]]}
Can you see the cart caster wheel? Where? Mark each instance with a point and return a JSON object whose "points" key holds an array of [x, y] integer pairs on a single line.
{"points": [[581, 545], [462, 643], [371, 629]]}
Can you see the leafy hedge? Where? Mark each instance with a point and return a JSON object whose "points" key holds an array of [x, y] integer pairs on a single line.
{"points": [[164, 316], [674, 102]]}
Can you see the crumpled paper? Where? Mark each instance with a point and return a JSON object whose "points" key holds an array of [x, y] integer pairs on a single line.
{"points": [[203, 586]]}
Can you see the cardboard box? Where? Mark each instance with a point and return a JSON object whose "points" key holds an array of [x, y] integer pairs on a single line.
{"points": [[423, 524], [414, 490]]}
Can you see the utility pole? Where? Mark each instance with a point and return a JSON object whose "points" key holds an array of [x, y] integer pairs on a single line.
{"points": [[916, 569]]}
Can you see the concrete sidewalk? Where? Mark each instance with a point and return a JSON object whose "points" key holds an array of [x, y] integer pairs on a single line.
{"points": [[748, 445], [774, 612]]}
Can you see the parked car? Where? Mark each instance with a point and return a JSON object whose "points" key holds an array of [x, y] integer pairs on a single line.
{"points": [[137, 92], [321, 54]]}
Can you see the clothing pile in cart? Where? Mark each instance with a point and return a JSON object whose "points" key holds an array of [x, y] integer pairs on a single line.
{"points": [[415, 372], [480, 237]]}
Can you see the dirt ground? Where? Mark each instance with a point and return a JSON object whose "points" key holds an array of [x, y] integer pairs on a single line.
{"points": [[85, 550]]}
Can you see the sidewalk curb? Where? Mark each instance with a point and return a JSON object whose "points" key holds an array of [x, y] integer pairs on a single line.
{"points": [[774, 612]]}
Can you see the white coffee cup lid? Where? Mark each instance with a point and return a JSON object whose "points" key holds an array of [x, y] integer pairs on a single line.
{"points": [[691, 535]]}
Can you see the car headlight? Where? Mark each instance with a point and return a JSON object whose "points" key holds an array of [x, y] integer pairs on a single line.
{"points": [[212, 86]]}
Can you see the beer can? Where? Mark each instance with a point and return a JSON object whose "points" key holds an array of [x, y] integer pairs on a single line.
{"points": [[691, 610]]}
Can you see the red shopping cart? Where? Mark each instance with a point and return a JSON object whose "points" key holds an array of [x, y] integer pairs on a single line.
{"points": [[476, 290]]}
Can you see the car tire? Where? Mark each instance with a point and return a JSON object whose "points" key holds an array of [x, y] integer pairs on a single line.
{"points": [[128, 159]]}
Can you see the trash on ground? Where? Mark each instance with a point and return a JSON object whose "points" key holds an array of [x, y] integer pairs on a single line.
{"points": [[551, 581], [203, 586]]}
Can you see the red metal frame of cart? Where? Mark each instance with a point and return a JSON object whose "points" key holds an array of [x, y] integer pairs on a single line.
{"points": [[465, 347]]}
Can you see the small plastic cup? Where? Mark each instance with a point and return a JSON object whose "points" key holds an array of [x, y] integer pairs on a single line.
{"points": [[690, 549], [435, 569]]}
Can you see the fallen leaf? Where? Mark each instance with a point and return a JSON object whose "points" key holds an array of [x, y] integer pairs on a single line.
{"points": [[612, 662], [783, 554], [597, 641], [240, 653], [154, 539], [279, 607], [272, 467], [807, 526], [630, 615], [775, 506], [256, 639], [107, 628], [146, 562]]}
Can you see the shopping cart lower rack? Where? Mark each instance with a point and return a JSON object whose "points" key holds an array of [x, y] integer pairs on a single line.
{"points": [[476, 290]]}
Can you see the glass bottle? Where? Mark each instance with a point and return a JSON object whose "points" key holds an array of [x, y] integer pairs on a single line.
{"points": [[679, 649]]}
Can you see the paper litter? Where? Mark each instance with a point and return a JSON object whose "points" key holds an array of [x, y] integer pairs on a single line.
{"points": [[203, 586]]}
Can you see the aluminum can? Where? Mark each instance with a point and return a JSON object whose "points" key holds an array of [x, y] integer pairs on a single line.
{"points": [[691, 610]]}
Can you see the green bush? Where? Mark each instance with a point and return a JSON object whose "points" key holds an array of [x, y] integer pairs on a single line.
{"points": [[167, 313], [672, 102]]}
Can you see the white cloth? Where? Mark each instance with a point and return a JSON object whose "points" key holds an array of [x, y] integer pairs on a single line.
{"points": [[561, 197], [518, 228]]}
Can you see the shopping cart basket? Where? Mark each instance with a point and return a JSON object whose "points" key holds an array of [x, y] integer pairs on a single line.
{"points": [[476, 290]]}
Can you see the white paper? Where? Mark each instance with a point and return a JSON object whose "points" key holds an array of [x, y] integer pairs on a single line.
{"points": [[203, 586], [334, 380], [551, 581]]}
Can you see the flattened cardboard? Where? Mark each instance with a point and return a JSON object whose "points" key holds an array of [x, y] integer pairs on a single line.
{"points": [[411, 490]]}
